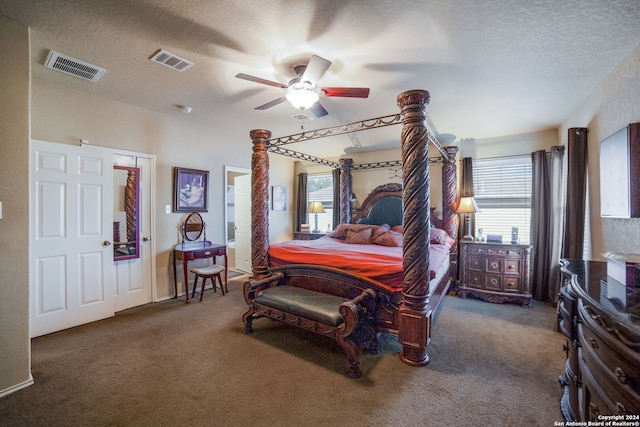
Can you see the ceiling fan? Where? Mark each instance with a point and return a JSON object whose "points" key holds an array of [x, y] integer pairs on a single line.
{"points": [[303, 91]]}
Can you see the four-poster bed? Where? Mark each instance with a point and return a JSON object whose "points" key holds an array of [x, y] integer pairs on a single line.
{"points": [[405, 309]]}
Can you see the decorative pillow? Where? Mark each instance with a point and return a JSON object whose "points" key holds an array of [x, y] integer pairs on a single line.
{"points": [[439, 236], [397, 228], [342, 229], [359, 237], [379, 229], [390, 238]]}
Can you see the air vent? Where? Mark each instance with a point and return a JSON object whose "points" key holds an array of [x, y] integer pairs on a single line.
{"points": [[303, 117], [170, 60], [73, 67]]}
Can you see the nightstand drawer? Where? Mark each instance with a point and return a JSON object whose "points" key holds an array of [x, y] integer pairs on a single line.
{"points": [[476, 280], [494, 265], [513, 266], [511, 284], [476, 263], [494, 282]]}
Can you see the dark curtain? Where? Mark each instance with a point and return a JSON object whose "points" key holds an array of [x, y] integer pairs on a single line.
{"points": [[576, 193], [336, 198], [466, 190], [302, 203], [547, 196], [467, 178]]}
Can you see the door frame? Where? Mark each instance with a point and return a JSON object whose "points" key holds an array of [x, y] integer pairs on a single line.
{"points": [[227, 170]]}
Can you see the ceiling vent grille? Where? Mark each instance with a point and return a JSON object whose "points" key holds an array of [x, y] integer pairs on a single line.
{"points": [[170, 60], [303, 117], [73, 67]]}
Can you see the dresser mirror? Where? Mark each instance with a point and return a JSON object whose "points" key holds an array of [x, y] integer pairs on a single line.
{"points": [[126, 182]]}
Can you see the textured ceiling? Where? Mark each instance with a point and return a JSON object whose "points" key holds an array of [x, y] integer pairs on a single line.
{"points": [[493, 68]]}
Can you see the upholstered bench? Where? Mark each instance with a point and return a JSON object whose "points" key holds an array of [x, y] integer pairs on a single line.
{"points": [[348, 321]]}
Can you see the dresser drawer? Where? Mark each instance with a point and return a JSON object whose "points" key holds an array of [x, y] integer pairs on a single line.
{"points": [[565, 319], [594, 399], [617, 398], [620, 364]]}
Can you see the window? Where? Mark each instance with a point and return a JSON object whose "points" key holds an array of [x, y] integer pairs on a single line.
{"points": [[320, 189], [502, 190]]}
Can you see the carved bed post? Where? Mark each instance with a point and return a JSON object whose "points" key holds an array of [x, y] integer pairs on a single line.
{"points": [[260, 203], [345, 191], [415, 313], [450, 193]]}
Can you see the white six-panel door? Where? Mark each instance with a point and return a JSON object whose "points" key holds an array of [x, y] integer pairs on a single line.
{"points": [[71, 275]]}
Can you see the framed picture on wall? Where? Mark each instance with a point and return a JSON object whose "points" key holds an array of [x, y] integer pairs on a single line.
{"points": [[620, 173], [190, 190], [278, 198]]}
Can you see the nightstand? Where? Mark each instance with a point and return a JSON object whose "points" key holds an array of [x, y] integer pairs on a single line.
{"points": [[495, 272], [299, 235]]}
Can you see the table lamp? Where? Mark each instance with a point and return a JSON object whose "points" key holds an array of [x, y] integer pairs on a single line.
{"points": [[467, 206], [316, 208]]}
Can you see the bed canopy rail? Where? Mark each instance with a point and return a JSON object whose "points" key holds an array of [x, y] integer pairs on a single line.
{"points": [[415, 314]]}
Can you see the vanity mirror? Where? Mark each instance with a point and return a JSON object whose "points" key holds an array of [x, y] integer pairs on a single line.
{"points": [[193, 227], [126, 182]]}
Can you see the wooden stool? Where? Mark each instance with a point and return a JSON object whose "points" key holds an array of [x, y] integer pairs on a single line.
{"points": [[212, 272]]}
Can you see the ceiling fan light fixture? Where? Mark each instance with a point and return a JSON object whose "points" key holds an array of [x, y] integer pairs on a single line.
{"points": [[302, 98]]}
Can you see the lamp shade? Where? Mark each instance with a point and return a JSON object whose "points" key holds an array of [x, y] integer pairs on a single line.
{"points": [[302, 98], [467, 205], [316, 207]]}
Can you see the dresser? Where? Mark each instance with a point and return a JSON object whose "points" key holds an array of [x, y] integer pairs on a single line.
{"points": [[495, 272], [601, 321]]}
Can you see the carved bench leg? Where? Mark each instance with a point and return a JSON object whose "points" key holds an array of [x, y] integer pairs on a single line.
{"points": [[353, 356], [373, 346], [247, 319]]}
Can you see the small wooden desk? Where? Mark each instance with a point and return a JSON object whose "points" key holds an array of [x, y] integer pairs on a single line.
{"points": [[189, 251]]}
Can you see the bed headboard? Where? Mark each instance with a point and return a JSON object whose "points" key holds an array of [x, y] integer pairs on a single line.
{"points": [[384, 206]]}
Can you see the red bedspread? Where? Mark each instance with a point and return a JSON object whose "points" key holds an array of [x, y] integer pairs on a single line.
{"points": [[381, 263]]}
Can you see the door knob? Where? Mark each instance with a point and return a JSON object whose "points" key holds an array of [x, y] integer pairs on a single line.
{"points": [[106, 243], [146, 239]]}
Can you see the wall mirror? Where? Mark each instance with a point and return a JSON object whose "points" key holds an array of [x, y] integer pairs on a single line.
{"points": [[126, 238]]}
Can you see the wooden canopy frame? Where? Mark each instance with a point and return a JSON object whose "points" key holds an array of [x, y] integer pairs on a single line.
{"points": [[414, 330]]}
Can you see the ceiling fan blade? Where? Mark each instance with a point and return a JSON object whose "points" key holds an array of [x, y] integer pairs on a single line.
{"points": [[315, 69], [346, 92], [318, 110], [259, 80], [271, 103]]}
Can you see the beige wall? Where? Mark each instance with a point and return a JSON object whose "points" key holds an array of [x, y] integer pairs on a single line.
{"points": [[63, 115], [610, 107], [175, 140], [510, 145], [15, 350]]}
